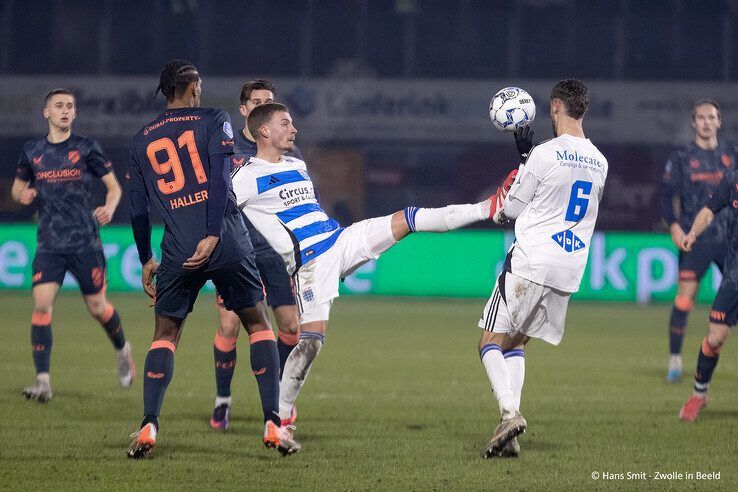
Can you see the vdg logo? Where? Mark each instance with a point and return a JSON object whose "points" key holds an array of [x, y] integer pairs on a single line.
{"points": [[568, 240]]}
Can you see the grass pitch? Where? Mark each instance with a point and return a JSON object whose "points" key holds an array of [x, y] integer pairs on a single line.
{"points": [[397, 399]]}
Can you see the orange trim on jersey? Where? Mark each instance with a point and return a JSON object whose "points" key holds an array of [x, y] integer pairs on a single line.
{"points": [[108, 313], [709, 351], [163, 344], [260, 336], [41, 319], [224, 344], [684, 303], [289, 338]]}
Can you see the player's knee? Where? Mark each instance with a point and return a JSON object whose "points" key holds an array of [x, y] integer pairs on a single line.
{"points": [[487, 338], [41, 315], [403, 223], [229, 330], [229, 324], [289, 326], [684, 303], [43, 308], [715, 340], [96, 307]]}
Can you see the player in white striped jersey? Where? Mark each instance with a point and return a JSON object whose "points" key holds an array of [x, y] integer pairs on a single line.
{"points": [[276, 194], [555, 199]]}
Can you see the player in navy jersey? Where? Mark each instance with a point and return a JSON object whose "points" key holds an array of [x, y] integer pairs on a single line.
{"points": [[724, 311], [691, 175], [181, 161], [277, 282], [60, 170]]}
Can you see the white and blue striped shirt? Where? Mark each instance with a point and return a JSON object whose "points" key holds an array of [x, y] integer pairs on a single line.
{"points": [[279, 200]]}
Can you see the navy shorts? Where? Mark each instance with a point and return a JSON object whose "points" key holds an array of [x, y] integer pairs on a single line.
{"points": [[238, 284], [694, 264], [725, 306], [277, 282], [88, 268]]}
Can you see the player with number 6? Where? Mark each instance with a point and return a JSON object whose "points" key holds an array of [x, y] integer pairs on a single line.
{"points": [[554, 199]]}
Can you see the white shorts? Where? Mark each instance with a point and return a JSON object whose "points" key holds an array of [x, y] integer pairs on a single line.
{"points": [[518, 305], [316, 282]]}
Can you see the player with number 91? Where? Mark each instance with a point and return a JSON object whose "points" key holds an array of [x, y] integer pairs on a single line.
{"points": [[554, 199], [181, 161]]}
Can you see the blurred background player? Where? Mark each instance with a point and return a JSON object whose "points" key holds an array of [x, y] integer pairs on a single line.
{"points": [[182, 161], [724, 311], [555, 199], [278, 197], [691, 175], [274, 276], [60, 168]]}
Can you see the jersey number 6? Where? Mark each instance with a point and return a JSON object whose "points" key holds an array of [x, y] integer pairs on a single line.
{"points": [[173, 164], [578, 200]]}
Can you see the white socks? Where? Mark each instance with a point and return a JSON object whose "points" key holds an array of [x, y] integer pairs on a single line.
{"points": [[516, 368], [506, 374], [296, 370], [445, 218], [499, 377]]}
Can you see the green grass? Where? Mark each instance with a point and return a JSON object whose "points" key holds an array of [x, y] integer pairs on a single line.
{"points": [[397, 399]]}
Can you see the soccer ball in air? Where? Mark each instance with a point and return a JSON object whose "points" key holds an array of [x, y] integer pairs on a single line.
{"points": [[511, 108]]}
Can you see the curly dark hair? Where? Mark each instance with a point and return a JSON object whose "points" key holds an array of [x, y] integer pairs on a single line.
{"points": [[575, 96], [175, 77]]}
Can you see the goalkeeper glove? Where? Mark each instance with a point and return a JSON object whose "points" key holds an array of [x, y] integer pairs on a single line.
{"points": [[524, 142]]}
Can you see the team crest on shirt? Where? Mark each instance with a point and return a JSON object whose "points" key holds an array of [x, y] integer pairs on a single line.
{"points": [[568, 240], [73, 156], [726, 160], [227, 129], [308, 295]]}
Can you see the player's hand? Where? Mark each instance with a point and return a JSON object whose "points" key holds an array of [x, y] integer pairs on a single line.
{"points": [[148, 272], [103, 215], [28, 195], [524, 141], [688, 242], [677, 235], [202, 253]]}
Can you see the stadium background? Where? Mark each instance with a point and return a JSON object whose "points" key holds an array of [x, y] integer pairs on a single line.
{"points": [[390, 99]]}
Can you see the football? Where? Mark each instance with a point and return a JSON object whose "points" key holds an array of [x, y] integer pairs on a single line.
{"points": [[511, 108]]}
